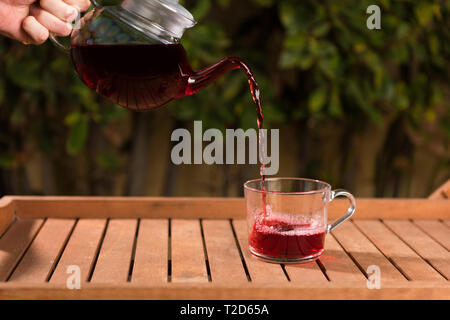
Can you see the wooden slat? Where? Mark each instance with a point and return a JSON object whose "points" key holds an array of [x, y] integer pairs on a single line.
{"points": [[338, 265], [14, 243], [364, 252], [426, 247], [41, 256], [80, 250], [114, 260], [260, 272], [309, 271], [129, 207], [188, 258], [223, 255], [406, 259], [151, 259], [437, 230], [219, 208], [7, 208]]}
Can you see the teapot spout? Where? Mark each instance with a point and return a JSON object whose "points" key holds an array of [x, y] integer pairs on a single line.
{"points": [[200, 79]]}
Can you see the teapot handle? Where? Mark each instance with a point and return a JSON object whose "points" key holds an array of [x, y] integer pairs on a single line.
{"points": [[54, 38]]}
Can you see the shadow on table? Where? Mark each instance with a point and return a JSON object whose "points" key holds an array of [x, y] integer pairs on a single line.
{"points": [[15, 243]]}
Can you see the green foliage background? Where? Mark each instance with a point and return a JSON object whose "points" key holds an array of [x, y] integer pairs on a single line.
{"points": [[315, 61]]}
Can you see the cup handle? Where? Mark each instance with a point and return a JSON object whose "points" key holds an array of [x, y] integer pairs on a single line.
{"points": [[350, 211]]}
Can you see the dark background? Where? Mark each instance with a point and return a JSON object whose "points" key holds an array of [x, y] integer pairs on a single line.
{"points": [[366, 110]]}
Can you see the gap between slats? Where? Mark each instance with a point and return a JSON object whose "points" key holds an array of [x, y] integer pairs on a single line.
{"points": [[241, 255], [169, 252], [205, 252]]}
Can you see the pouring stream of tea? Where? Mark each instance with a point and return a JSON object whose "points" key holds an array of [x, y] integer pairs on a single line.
{"points": [[206, 76]]}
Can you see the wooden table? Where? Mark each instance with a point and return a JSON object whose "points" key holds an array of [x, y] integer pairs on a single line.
{"points": [[196, 248]]}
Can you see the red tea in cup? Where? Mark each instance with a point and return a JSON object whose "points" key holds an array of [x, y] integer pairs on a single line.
{"points": [[279, 236]]}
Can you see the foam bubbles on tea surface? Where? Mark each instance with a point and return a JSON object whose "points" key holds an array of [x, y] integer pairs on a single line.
{"points": [[276, 222]]}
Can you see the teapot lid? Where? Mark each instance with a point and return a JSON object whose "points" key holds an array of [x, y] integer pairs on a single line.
{"points": [[169, 15]]}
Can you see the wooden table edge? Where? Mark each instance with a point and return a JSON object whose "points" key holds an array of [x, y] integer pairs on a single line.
{"points": [[217, 208], [308, 291]]}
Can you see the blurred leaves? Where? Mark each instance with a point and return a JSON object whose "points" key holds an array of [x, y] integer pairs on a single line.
{"points": [[380, 71], [24, 73], [6, 160], [317, 100], [77, 136], [313, 61], [201, 9], [108, 162], [2, 90]]}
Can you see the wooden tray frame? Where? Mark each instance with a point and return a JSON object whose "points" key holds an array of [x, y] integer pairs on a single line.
{"points": [[19, 207]]}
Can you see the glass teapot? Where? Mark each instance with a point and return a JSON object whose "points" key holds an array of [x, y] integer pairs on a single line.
{"points": [[131, 55]]}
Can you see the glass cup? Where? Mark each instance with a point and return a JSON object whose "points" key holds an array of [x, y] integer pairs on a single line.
{"points": [[287, 218]]}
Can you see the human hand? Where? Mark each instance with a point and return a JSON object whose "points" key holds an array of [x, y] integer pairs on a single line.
{"points": [[32, 21]]}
